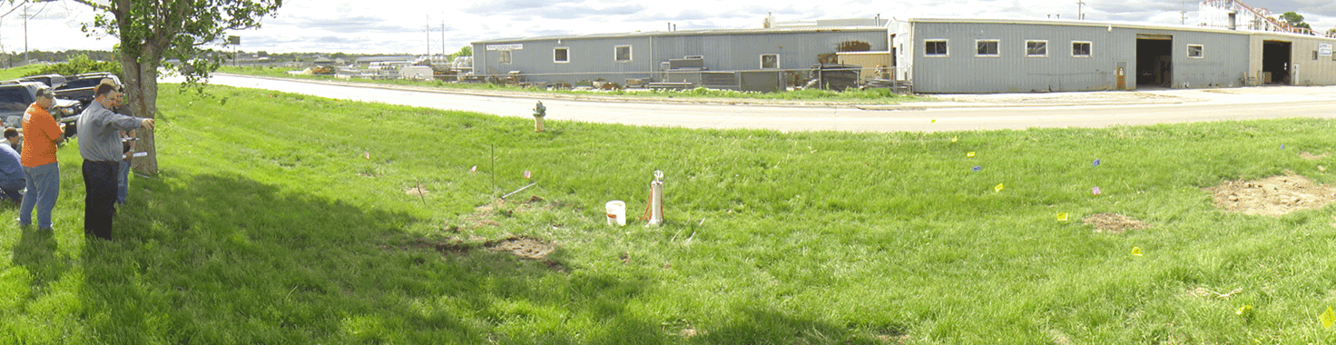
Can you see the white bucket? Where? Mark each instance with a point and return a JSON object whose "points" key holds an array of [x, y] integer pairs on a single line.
{"points": [[617, 213]]}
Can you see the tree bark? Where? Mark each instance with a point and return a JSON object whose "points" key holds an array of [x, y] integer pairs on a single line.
{"points": [[139, 67], [142, 91]]}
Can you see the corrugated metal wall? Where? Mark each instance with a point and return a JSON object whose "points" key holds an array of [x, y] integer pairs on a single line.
{"points": [[1222, 63], [586, 60], [592, 58], [1310, 71], [961, 71]]}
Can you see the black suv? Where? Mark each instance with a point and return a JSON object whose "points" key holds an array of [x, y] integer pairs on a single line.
{"points": [[81, 87], [51, 80], [15, 97]]}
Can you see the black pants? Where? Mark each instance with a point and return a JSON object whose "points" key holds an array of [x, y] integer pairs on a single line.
{"points": [[99, 198]]}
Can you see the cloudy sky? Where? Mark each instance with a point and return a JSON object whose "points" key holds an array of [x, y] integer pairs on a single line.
{"points": [[401, 26]]}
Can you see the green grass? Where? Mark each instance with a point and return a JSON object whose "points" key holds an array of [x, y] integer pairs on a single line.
{"points": [[19, 72], [270, 224], [871, 96]]}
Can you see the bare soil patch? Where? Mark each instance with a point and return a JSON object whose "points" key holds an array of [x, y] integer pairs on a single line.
{"points": [[523, 247], [443, 248], [416, 191], [1272, 196], [1310, 156], [1114, 223]]}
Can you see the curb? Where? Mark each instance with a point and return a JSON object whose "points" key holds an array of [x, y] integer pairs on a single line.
{"points": [[911, 106]]}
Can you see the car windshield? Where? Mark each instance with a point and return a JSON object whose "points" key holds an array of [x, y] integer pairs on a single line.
{"points": [[13, 99], [81, 83]]}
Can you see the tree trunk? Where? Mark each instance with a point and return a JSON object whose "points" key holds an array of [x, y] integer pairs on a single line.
{"points": [[141, 91]]}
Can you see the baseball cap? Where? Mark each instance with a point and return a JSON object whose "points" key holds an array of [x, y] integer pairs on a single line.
{"points": [[46, 93]]}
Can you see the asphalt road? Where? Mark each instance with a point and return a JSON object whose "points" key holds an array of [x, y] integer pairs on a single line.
{"points": [[1017, 111]]}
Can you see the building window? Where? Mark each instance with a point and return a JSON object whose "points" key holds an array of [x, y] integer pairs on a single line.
{"points": [[934, 48], [1314, 55], [1195, 51], [769, 61], [561, 55], [623, 53], [986, 48], [1036, 48], [505, 56], [1080, 49]]}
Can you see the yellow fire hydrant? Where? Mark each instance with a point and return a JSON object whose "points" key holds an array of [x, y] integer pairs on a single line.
{"points": [[539, 112]]}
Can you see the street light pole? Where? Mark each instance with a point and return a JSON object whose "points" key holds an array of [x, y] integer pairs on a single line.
{"points": [[25, 34]]}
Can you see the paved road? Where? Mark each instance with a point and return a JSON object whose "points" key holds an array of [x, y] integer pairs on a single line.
{"points": [[980, 112]]}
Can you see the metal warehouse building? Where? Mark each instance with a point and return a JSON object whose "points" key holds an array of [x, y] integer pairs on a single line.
{"points": [[932, 55], [731, 59], [984, 56]]}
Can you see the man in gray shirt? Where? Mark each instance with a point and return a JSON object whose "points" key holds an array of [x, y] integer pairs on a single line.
{"points": [[100, 146]]}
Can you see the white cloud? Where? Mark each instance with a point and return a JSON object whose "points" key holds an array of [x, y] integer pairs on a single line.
{"points": [[400, 26]]}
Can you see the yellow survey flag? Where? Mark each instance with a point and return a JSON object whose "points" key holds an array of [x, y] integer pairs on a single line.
{"points": [[934, 120], [997, 188], [1244, 309], [1062, 217], [1328, 318], [970, 154], [1136, 251], [953, 139]]}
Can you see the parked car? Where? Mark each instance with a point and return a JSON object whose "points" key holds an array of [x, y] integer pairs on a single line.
{"points": [[16, 97], [81, 87], [51, 80]]}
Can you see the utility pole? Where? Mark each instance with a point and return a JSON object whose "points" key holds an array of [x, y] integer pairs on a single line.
{"points": [[428, 27], [25, 34], [1183, 13], [442, 38]]}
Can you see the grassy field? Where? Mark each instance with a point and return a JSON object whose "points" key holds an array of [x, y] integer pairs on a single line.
{"points": [[18, 72], [285, 219], [871, 96]]}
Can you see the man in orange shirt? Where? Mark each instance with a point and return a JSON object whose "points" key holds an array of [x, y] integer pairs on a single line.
{"points": [[38, 158]]}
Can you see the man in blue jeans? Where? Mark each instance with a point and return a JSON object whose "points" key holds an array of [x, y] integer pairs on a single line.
{"points": [[127, 145], [40, 168], [123, 176]]}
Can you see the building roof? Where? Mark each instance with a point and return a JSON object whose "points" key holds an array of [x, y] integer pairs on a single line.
{"points": [[1108, 24], [688, 33], [385, 58]]}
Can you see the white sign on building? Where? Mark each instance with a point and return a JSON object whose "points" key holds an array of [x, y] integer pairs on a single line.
{"points": [[512, 46], [1324, 49]]}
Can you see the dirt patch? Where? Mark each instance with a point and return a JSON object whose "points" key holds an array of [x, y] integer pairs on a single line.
{"points": [[417, 191], [1310, 156], [1272, 196], [455, 248], [1114, 223], [523, 247]]}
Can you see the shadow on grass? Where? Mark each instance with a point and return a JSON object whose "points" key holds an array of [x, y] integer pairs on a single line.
{"points": [[225, 259], [36, 252]]}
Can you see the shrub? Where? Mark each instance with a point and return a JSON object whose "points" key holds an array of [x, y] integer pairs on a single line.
{"points": [[77, 65]]}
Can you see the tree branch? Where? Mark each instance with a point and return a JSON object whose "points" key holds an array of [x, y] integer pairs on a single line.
{"points": [[93, 5]]}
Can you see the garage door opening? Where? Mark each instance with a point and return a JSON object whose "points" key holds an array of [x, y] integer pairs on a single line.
{"points": [[1155, 61], [1275, 63]]}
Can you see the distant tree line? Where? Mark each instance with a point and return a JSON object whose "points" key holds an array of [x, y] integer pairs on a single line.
{"points": [[13, 59]]}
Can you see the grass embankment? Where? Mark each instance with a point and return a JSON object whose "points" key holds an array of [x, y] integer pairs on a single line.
{"points": [[19, 72], [871, 96], [282, 218]]}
